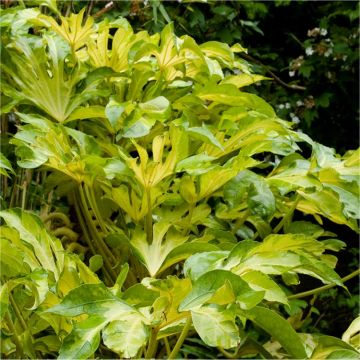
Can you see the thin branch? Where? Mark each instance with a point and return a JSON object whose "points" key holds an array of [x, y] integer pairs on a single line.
{"points": [[323, 288], [275, 77], [181, 339], [89, 7], [107, 7]]}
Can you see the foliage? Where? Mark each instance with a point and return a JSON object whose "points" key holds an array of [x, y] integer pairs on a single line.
{"points": [[318, 52], [170, 196]]}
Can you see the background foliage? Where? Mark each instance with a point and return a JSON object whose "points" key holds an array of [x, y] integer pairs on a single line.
{"points": [[306, 43]]}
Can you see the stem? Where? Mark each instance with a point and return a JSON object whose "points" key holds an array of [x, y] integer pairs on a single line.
{"points": [[151, 350], [228, 354], [181, 339], [189, 218], [148, 219], [323, 288], [103, 249], [107, 7], [93, 204], [279, 226], [22, 322], [276, 78], [17, 312], [83, 226], [167, 346], [19, 348], [77, 201], [23, 195], [241, 220]]}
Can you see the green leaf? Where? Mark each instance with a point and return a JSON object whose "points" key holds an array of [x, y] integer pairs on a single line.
{"points": [[158, 108], [93, 299], [196, 164], [87, 112], [140, 296], [350, 334], [261, 282], [54, 92], [261, 200], [102, 308], [84, 340], [243, 79], [198, 264], [12, 259], [292, 173], [113, 112], [219, 51], [182, 252], [329, 347], [204, 134], [126, 337], [165, 240], [279, 329], [96, 262], [206, 286], [48, 251], [327, 204], [216, 326], [172, 291], [5, 165]]}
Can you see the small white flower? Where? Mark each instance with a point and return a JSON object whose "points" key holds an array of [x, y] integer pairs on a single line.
{"points": [[295, 120], [281, 106], [309, 51], [287, 106], [291, 73], [328, 52], [292, 115], [344, 58], [323, 32], [299, 103]]}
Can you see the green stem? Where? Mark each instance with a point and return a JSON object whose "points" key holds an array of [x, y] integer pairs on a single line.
{"points": [[167, 346], [151, 350], [189, 218], [94, 251], [83, 226], [148, 219], [23, 195], [17, 312], [323, 288], [92, 200], [22, 322], [287, 216], [228, 354], [181, 339], [240, 221], [19, 348], [103, 250]]}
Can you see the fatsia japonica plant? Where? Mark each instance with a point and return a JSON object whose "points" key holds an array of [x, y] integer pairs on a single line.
{"points": [[178, 205]]}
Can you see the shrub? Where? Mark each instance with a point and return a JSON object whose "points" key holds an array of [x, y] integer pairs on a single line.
{"points": [[173, 196]]}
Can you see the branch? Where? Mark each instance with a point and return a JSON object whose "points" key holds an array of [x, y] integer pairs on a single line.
{"points": [[275, 77], [323, 288], [107, 7]]}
